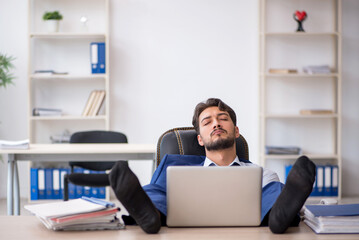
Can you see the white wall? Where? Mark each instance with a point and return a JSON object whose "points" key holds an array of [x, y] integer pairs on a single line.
{"points": [[166, 56]]}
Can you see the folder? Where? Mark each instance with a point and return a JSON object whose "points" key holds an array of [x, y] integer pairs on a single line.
{"points": [[320, 180], [41, 183], [79, 189], [56, 183], [48, 183], [287, 170], [327, 180], [63, 172], [34, 184], [335, 179], [98, 57], [87, 189]]}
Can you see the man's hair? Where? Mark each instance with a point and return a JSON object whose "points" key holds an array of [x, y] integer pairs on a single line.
{"points": [[212, 102]]}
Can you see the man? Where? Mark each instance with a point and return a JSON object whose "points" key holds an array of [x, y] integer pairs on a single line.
{"points": [[215, 124]]}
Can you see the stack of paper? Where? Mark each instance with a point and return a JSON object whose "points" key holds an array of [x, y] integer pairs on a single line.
{"points": [[23, 144], [320, 69], [283, 150], [78, 214], [332, 218]]}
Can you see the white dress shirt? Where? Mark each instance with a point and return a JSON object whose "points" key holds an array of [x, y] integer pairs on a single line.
{"points": [[268, 175]]}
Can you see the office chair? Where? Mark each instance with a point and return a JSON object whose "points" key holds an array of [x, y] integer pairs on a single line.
{"points": [[184, 141], [92, 180]]}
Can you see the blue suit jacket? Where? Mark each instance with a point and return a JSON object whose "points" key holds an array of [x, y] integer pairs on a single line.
{"points": [[156, 190]]}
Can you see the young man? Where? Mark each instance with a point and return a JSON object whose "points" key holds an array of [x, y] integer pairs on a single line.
{"points": [[215, 124]]}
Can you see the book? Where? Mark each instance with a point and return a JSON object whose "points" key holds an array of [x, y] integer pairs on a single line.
{"points": [[46, 112], [100, 97], [282, 70], [315, 111], [22, 144], [89, 103], [332, 218]]}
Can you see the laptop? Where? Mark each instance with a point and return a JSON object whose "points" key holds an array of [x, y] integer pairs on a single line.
{"points": [[214, 196]]}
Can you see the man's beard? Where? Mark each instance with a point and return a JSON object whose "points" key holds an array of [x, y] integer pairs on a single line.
{"points": [[220, 144]]}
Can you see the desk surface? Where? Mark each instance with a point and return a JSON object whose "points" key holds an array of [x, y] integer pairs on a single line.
{"points": [[83, 148], [29, 227]]}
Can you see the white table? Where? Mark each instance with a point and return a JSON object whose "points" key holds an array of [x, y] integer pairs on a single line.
{"points": [[66, 153]]}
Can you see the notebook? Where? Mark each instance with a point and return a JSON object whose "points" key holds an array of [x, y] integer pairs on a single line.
{"points": [[214, 196]]}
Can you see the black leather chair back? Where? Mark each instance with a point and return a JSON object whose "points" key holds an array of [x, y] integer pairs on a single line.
{"points": [[97, 137], [184, 141]]}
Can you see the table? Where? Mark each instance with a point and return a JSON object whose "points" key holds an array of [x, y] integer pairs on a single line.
{"points": [[29, 227], [66, 153]]}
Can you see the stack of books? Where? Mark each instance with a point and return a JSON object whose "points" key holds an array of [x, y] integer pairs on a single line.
{"points": [[94, 103], [78, 214], [332, 218]]}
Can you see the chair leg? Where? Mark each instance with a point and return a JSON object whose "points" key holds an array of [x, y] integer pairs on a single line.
{"points": [[66, 188]]}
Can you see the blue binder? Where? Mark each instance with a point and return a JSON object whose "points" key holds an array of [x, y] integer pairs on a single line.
{"points": [[41, 183], [79, 189], [101, 190], [63, 172], [287, 170], [34, 184], [56, 183], [335, 180], [87, 189], [98, 57], [327, 180], [320, 180], [48, 183]]}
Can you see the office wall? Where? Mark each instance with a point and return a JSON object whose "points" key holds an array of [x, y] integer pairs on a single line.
{"points": [[166, 56]]}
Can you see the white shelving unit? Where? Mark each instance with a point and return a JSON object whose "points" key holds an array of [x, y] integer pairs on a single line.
{"points": [[282, 96], [66, 51]]}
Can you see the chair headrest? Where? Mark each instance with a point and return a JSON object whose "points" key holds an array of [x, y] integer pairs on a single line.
{"points": [[184, 141]]}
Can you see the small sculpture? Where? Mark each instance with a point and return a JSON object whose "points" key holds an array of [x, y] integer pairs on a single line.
{"points": [[300, 17]]}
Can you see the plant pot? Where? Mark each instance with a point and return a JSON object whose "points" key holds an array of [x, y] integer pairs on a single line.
{"points": [[52, 25]]}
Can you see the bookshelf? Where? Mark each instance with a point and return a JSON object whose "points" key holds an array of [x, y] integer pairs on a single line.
{"points": [[67, 52], [284, 95]]}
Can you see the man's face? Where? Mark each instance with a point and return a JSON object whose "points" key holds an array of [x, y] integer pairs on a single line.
{"points": [[217, 130]]}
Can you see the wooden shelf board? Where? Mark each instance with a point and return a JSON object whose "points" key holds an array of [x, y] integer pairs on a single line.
{"points": [[69, 76], [66, 35], [311, 156], [66, 117]]}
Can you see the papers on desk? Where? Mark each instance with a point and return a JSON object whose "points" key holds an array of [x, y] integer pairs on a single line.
{"points": [[23, 144], [332, 218], [78, 214]]}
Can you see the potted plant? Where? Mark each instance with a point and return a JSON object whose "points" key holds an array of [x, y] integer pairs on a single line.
{"points": [[52, 20], [5, 66]]}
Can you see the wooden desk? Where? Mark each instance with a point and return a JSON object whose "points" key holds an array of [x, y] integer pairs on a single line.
{"points": [[29, 227], [66, 153]]}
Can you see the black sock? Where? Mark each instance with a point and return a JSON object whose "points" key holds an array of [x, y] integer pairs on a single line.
{"points": [[130, 193], [296, 190]]}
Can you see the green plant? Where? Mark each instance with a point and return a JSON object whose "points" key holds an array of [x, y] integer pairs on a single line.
{"points": [[5, 66], [52, 16]]}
